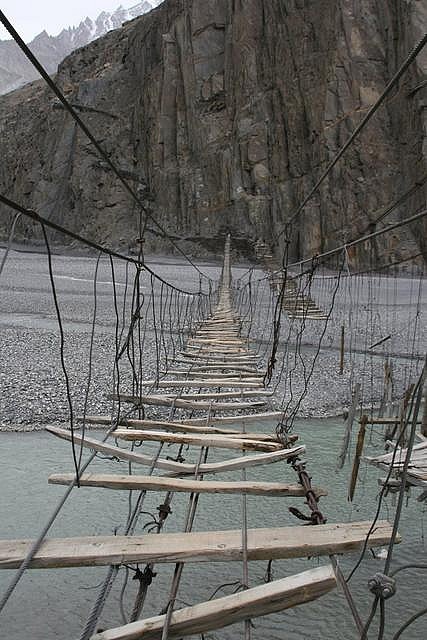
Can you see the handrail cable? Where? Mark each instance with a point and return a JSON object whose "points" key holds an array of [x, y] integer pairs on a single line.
{"points": [[90, 243]]}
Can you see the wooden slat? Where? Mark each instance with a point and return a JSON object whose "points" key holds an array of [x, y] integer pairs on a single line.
{"points": [[208, 350], [181, 427], [156, 483], [179, 468], [220, 395], [211, 358], [212, 382], [205, 440], [216, 614], [236, 377], [196, 365], [218, 338], [243, 419], [168, 401], [215, 546]]}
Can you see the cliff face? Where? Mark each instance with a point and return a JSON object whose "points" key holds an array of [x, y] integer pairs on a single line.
{"points": [[224, 113]]}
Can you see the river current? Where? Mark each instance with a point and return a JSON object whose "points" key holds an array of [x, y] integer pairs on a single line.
{"points": [[54, 604]]}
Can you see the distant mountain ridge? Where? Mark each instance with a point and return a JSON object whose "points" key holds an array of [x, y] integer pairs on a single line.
{"points": [[16, 71]]}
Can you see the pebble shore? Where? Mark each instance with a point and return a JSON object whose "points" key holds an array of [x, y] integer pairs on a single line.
{"points": [[32, 381]]}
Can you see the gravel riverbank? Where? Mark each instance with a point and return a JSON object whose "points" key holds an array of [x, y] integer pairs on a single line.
{"points": [[32, 382]]}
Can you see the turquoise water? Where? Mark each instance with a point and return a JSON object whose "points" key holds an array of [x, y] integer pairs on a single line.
{"points": [[55, 604]]}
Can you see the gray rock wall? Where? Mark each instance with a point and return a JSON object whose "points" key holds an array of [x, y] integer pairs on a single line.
{"points": [[223, 113]]}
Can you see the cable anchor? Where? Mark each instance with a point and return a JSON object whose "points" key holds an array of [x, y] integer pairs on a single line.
{"points": [[382, 586]]}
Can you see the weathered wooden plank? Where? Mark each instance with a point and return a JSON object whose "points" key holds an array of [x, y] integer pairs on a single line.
{"points": [[155, 483], [197, 365], [219, 340], [209, 376], [248, 418], [217, 614], [205, 395], [179, 468], [215, 378], [205, 546], [169, 401], [182, 427], [238, 352], [205, 440], [212, 358], [204, 384]]}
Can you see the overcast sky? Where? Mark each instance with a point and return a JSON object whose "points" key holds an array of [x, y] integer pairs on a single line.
{"points": [[30, 17]]}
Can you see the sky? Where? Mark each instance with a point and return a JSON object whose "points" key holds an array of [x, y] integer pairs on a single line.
{"points": [[30, 17]]}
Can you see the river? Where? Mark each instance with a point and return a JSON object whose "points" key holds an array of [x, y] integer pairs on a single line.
{"points": [[54, 604]]}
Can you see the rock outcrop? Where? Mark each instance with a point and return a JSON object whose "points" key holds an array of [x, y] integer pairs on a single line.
{"points": [[222, 114]]}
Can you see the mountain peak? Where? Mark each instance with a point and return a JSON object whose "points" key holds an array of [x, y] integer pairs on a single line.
{"points": [[15, 70]]}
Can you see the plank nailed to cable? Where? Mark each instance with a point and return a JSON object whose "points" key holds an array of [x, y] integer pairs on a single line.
{"points": [[205, 546]]}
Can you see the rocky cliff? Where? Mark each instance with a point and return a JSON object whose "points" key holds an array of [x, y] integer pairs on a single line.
{"points": [[223, 113], [16, 71]]}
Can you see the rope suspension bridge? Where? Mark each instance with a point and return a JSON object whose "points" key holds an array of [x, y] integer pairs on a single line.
{"points": [[230, 359]]}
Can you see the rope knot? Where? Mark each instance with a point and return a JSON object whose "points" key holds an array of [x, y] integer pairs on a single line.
{"points": [[145, 577], [164, 510], [382, 586]]}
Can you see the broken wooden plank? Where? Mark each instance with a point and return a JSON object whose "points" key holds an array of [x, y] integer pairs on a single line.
{"points": [[179, 468], [216, 614], [155, 483], [205, 440], [203, 546]]}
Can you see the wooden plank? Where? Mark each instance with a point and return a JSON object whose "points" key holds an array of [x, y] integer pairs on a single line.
{"points": [[205, 440], [204, 350], [182, 427], [204, 384], [418, 451], [155, 483], [219, 340], [217, 614], [169, 401], [179, 468], [219, 395], [249, 378], [248, 418], [196, 365], [212, 358], [226, 336], [204, 546]]}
